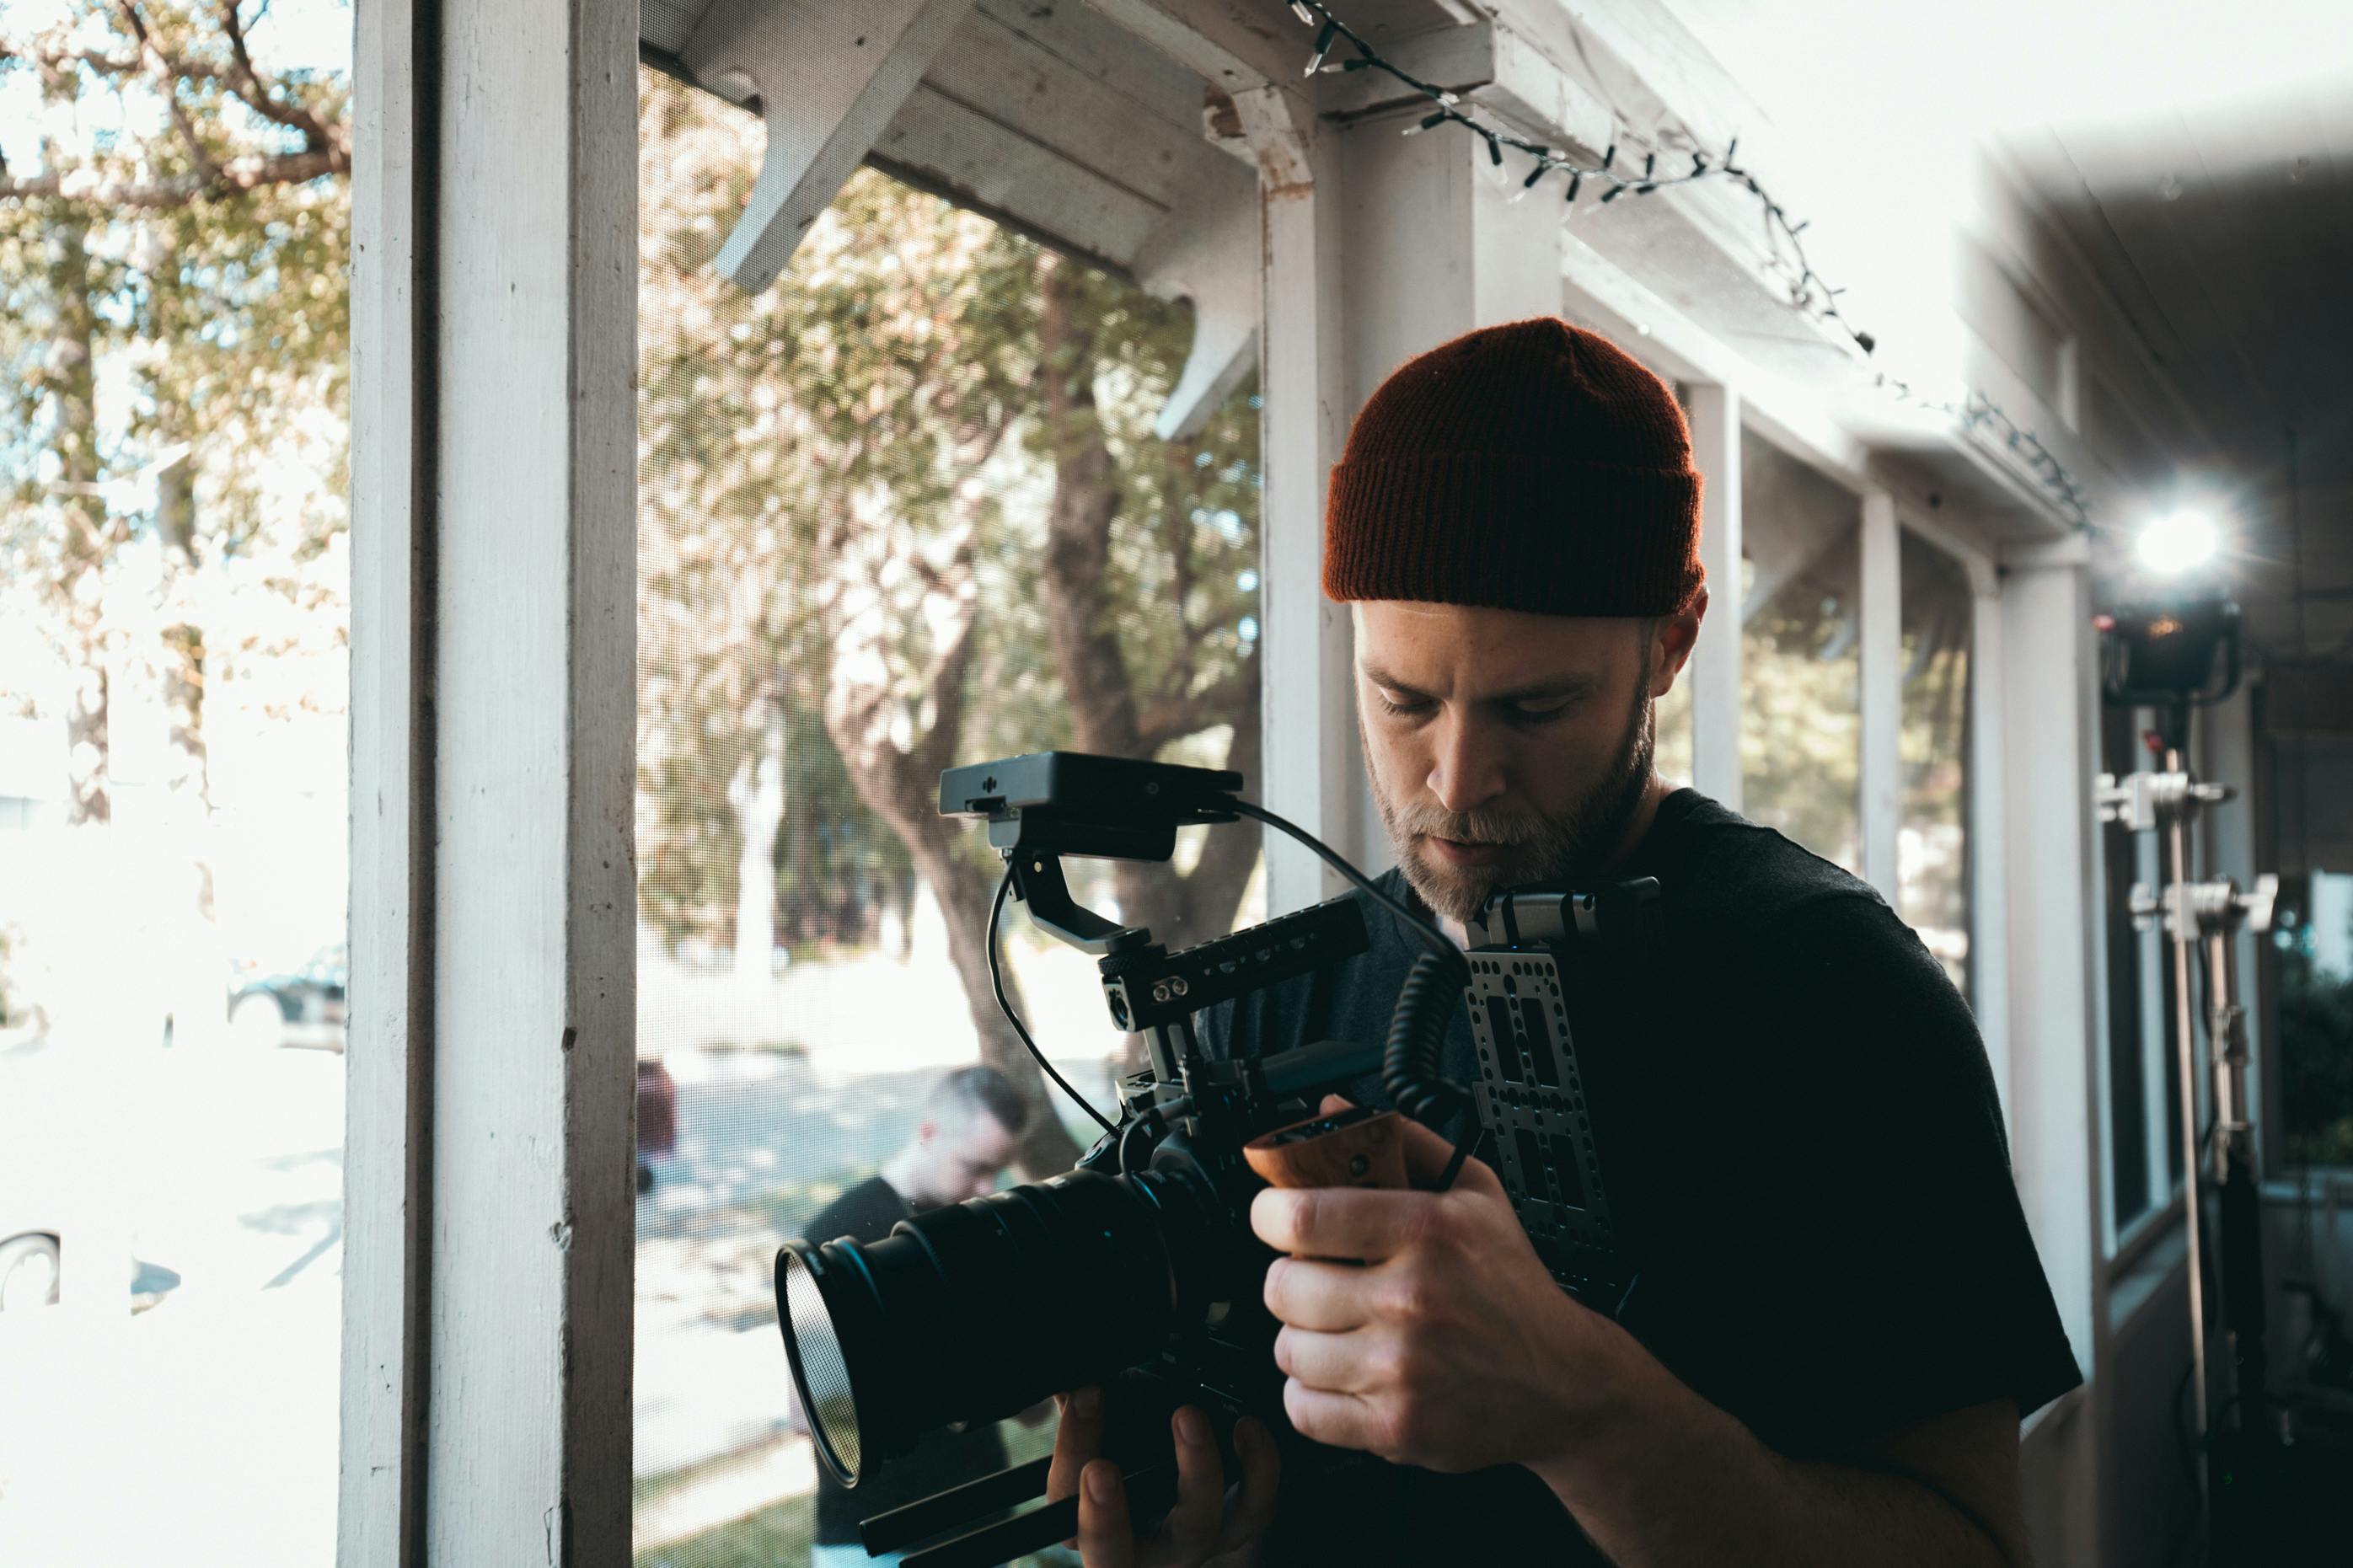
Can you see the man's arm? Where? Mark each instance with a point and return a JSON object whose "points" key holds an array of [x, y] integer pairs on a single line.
{"points": [[1449, 1346], [1673, 1479]]}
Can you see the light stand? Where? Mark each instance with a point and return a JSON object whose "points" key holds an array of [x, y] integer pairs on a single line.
{"points": [[2167, 656]]}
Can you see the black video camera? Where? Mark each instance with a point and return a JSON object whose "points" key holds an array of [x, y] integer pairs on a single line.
{"points": [[1138, 1269]]}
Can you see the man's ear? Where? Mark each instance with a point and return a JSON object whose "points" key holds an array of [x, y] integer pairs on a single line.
{"points": [[1673, 641]]}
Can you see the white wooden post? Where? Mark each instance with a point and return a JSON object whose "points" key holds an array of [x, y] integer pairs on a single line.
{"points": [[1310, 716], [1882, 694], [1988, 794], [2051, 743], [1715, 672], [389, 1057], [490, 1186], [1431, 248], [1379, 246]]}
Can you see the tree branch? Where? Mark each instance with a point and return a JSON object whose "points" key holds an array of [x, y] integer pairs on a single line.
{"points": [[108, 64], [1174, 718], [238, 176], [168, 85], [952, 676], [316, 134]]}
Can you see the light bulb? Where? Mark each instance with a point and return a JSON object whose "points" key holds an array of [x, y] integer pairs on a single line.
{"points": [[2178, 543]]}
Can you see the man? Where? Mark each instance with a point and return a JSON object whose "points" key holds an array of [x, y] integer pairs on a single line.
{"points": [[971, 1120], [1839, 1317]]}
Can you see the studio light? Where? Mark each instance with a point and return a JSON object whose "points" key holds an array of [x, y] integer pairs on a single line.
{"points": [[2179, 543]]}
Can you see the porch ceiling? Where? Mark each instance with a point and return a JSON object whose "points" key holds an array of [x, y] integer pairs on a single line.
{"points": [[2226, 236], [1050, 116]]}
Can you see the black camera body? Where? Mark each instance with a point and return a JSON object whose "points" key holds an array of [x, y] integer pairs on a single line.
{"points": [[1138, 1269]]}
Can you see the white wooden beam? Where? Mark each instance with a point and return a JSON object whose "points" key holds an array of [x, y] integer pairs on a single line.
{"points": [[2050, 743], [945, 144], [1211, 251], [389, 1077], [1882, 694], [1237, 46], [829, 76], [1432, 246], [1310, 715], [490, 1184], [1457, 60], [1715, 672], [1988, 796]]}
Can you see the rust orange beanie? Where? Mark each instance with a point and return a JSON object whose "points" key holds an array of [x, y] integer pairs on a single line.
{"points": [[1531, 466]]}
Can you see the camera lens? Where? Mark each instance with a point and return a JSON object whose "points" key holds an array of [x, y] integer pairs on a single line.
{"points": [[975, 1311]]}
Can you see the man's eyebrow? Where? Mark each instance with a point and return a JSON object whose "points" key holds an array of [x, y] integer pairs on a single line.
{"points": [[1566, 686], [1563, 686], [1379, 676]]}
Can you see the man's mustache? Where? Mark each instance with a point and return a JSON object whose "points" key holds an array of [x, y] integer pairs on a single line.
{"points": [[1473, 827]]}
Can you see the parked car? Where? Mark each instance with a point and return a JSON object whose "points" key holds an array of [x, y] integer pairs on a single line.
{"points": [[657, 1118], [300, 1006], [43, 1208]]}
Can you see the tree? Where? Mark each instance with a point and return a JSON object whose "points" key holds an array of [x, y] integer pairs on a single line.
{"points": [[911, 489], [186, 219], [1207, 673]]}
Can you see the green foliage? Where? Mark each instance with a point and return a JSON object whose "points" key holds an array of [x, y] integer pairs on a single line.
{"points": [[780, 1533], [175, 224], [1800, 724], [856, 385], [852, 425], [2316, 1012]]}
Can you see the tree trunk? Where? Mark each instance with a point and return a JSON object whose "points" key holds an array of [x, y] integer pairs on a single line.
{"points": [[1082, 621], [72, 374], [899, 784], [757, 795], [1096, 682]]}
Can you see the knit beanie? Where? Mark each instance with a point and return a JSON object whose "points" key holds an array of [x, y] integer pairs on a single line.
{"points": [[1531, 466]]}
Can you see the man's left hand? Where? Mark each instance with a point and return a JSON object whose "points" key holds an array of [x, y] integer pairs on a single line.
{"points": [[1447, 1345]]}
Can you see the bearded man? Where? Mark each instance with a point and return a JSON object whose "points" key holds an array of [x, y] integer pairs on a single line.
{"points": [[1840, 1318]]}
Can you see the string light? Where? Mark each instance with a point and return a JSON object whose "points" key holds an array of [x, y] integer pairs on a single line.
{"points": [[1323, 46], [1809, 292]]}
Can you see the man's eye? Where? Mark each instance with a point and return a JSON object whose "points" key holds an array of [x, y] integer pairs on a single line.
{"points": [[1392, 705], [1521, 714]]}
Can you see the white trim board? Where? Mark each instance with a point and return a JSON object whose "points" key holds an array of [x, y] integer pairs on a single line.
{"points": [[490, 1187]]}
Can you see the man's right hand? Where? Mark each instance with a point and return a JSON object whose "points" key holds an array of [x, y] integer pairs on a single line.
{"points": [[1204, 1530]]}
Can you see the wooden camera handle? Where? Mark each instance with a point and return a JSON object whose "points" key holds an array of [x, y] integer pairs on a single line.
{"points": [[1358, 1147]]}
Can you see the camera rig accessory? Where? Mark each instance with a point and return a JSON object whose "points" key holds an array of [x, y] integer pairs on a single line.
{"points": [[1531, 1096]]}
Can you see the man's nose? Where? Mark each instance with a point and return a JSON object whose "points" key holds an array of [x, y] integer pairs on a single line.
{"points": [[1466, 771]]}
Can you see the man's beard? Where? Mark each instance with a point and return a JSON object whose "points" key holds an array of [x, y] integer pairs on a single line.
{"points": [[1543, 849]]}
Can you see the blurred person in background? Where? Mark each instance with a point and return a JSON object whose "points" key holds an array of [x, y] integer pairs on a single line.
{"points": [[959, 1150]]}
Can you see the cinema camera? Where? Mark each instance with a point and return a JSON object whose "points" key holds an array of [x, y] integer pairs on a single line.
{"points": [[1137, 1270]]}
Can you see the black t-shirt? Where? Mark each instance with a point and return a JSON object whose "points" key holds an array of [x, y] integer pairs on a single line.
{"points": [[939, 1459], [1804, 1154]]}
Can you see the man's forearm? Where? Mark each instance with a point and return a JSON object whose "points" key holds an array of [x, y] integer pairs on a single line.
{"points": [[1668, 1479]]}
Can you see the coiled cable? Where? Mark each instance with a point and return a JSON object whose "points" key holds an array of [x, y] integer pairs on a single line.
{"points": [[1410, 1064]]}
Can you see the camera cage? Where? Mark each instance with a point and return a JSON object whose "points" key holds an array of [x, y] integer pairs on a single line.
{"points": [[1533, 1110]]}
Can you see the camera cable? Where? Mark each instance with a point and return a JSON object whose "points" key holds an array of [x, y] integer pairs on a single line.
{"points": [[1004, 1005], [1431, 937]]}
